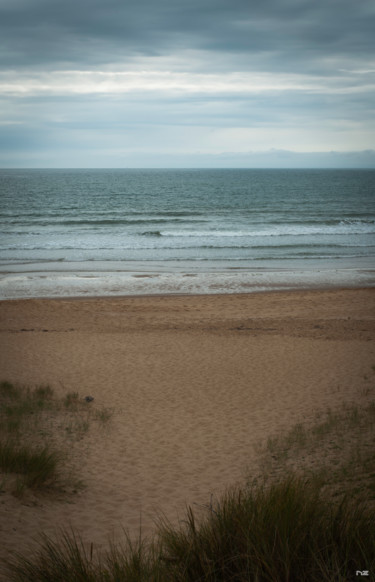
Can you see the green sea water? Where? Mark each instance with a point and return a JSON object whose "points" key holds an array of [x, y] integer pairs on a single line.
{"points": [[95, 231]]}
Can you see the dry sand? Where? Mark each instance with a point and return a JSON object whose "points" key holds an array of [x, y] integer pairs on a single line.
{"points": [[196, 382]]}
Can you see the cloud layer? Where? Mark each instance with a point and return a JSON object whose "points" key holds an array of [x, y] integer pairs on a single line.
{"points": [[88, 83]]}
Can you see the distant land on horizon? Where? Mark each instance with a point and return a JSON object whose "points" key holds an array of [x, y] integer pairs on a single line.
{"points": [[272, 159]]}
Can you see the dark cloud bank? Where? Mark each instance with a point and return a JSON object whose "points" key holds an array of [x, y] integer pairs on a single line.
{"points": [[290, 34]]}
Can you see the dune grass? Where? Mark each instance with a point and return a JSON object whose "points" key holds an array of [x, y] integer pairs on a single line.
{"points": [[37, 466], [70, 560], [280, 531], [36, 430], [307, 516], [20, 404], [338, 449], [277, 532]]}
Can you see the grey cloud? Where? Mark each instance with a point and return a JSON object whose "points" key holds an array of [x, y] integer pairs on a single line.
{"points": [[288, 35]]}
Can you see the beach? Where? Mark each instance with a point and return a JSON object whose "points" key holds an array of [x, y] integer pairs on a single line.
{"points": [[195, 384]]}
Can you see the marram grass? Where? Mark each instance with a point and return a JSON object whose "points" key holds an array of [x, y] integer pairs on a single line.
{"points": [[279, 532], [30, 419], [37, 466], [282, 529]]}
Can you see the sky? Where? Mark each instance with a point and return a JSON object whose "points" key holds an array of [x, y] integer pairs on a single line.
{"points": [[177, 83]]}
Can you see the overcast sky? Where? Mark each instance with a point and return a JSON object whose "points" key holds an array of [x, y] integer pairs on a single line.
{"points": [[179, 83]]}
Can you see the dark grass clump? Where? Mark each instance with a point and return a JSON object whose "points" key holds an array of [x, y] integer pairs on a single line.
{"points": [[20, 405], [69, 560], [35, 465], [65, 561], [38, 467], [37, 429], [279, 532]]}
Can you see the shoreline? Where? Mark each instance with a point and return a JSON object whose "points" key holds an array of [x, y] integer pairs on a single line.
{"points": [[134, 284], [145, 296]]}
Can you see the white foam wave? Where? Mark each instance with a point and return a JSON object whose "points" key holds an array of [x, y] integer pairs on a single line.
{"points": [[343, 228]]}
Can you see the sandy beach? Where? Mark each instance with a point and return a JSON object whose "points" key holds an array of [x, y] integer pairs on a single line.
{"points": [[195, 384]]}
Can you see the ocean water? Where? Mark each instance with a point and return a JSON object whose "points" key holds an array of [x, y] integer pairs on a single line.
{"points": [[125, 232]]}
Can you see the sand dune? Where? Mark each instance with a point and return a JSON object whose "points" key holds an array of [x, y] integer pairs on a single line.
{"points": [[196, 382]]}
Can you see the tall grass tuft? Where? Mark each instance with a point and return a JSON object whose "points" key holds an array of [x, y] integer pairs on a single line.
{"points": [[30, 420], [69, 560], [66, 561], [20, 404], [38, 467], [274, 532], [279, 532], [133, 561]]}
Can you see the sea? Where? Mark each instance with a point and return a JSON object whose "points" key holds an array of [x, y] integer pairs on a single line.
{"points": [[74, 233]]}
